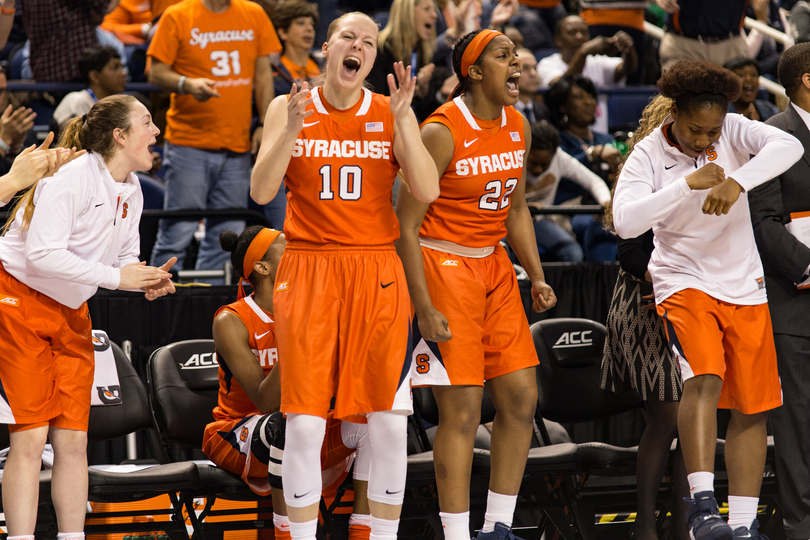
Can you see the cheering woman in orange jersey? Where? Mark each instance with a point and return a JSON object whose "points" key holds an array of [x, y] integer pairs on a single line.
{"points": [[464, 290], [341, 299]]}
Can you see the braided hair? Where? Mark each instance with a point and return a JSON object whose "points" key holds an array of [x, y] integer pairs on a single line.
{"points": [[458, 53]]}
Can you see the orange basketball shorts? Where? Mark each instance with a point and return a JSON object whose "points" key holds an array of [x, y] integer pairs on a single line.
{"points": [[231, 445], [481, 300], [46, 359], [735, 342], [343, 327]]}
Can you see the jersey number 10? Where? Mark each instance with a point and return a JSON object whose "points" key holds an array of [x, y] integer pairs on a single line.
{"points": [[350, 183]]}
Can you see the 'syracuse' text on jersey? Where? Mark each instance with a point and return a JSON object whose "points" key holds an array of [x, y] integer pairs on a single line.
{"points": [[341, 174], [713, 254], [476, 187], [233, 402]]}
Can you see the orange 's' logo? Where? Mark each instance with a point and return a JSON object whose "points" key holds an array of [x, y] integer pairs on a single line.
{"points": [[422, 363]]}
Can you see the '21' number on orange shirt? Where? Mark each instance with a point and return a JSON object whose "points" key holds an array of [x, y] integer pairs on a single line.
{"points": [[227, 63]]}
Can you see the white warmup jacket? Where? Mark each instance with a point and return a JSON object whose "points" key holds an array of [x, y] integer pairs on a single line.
{"points": [[84, 228], [713, 254]]}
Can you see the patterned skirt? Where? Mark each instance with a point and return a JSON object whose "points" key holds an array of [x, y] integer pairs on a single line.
{"points": [[636, 353]]}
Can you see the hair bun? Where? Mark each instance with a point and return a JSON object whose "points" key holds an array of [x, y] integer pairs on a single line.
{"points": [[227, 240], [699, 77]]}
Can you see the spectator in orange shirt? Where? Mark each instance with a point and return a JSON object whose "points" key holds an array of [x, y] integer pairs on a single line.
{"points": [[295, 21], [130, 21], [212, 55]]}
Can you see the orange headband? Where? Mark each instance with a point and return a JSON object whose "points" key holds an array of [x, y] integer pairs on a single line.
{"points": [[475, 48], [255, 252]]}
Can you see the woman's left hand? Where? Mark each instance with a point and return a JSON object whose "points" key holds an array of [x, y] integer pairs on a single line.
{"points": [[543, 297], [401, 97], [164, 287], [612, 156]]}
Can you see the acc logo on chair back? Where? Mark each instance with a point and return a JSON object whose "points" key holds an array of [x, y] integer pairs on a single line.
{"points": [[201, 361], [574, 339]]}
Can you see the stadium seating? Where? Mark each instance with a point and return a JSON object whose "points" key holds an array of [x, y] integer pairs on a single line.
{"points": [[625, 106]]}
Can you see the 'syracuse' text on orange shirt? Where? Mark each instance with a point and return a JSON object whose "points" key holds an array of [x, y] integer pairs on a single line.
{"points": [[476, 187], [341, 175], [223, 47]]}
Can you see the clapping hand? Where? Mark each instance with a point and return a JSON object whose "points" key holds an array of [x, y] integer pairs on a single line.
{"points": [[401, 97]]}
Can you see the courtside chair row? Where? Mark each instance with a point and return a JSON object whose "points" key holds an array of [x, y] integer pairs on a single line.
{"points": [[564, 487]]}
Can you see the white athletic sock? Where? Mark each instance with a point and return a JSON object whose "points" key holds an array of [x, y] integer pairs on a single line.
{"points": [[700, 481], [456, 526], [280, 522], [303, 530], [21, 537], [363, 520], [384, 529], [500, 509], [742, 511], [70, 536]]}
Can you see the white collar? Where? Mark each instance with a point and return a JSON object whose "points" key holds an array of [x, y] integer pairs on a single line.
{"points": [[319, 106], [469, 116]]}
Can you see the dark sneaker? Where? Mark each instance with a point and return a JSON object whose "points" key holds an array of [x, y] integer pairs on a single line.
{"points": [[501, 532], [749, 532], [704, 519]]}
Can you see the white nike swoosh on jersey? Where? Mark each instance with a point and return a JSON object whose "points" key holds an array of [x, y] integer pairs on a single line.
{"points": [[260, 336], [312, 124], [467, 144]]}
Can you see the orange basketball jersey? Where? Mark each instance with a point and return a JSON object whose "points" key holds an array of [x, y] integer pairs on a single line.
{"points": [[486, 167], [341, 175], [233, 402]]}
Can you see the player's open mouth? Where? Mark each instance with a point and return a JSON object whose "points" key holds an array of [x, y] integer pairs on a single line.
{"points": [[351, 65], [512, 84]]}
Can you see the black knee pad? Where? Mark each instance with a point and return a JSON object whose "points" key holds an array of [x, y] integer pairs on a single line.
{"points": [[268, 438]]}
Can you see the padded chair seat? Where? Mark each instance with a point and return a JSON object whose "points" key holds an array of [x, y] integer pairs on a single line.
{"points": [[421, 467], [604, 459], [552, 458], [113, 486], [214, 480]]}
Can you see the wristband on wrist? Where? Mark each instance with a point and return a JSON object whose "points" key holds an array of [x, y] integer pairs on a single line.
{"points": [[7, 11], [180, 83], [5, 147]]}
